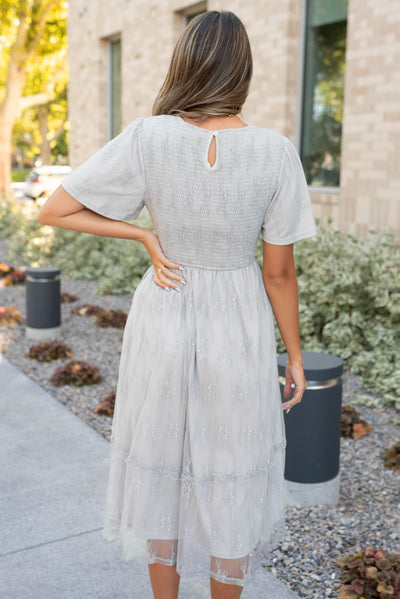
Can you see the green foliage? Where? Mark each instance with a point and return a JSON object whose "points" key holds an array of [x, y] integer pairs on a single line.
{"points": [[370, 574], [392, 457], [76, 373], [116, 264], [46, 351], [12, 217], [33, 44], [349, 288], [349, 301], [352, 425], [19, 176]]}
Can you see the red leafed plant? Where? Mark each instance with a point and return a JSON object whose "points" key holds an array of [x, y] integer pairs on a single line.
{"points": [[14, 277], [46, 351], [392, 457], [76, 373], [111, 318], [67, 298], [106, 405], [5, 269], [352, 425], [87, 310], [10, 316], [370, 574], [11, 275]]}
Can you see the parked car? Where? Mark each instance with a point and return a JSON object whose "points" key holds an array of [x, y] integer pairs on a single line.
{"points": [[43, 180]]}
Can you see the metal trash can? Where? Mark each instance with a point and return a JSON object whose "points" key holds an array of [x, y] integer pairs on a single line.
{"points": [[43, 302], [312, 466]]}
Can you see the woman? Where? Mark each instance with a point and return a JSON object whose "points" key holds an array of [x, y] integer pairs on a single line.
{"points": [[197, 447]]}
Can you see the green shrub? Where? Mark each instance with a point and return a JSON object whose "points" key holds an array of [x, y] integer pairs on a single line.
{"points": [[12, 217], [116, 264], [349, 301]]}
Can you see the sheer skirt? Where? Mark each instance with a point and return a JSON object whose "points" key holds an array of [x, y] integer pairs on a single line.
{"points": [[165, 552], [198, 440]]}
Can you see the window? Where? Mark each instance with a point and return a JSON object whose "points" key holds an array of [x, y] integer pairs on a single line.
{"points": [[323, 90], [189, 13], [114, 88]]}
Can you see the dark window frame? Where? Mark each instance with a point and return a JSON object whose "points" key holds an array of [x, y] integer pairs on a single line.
{"points": [[114, 86], [320, 135]]}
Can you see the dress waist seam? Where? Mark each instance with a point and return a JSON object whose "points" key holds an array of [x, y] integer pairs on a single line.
{"points": [[203, 267]]}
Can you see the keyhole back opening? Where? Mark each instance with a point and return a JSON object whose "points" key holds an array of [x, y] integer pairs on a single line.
{"points": [[212, 152]]}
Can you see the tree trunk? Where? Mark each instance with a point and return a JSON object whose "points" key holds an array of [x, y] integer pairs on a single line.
{"points": [[43, 118], [8, 114], [5, 157], [15, 81], [9, 108]]}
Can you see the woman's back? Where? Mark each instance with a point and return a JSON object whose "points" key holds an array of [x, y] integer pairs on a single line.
{"points": [[204, 216], [208, 216]]}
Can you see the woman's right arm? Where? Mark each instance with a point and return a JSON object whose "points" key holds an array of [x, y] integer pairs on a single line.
{"points": [[280, 281], [63, 211]]}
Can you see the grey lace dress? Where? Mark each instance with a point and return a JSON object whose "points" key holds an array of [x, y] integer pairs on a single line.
{"points": [[198, 440]]}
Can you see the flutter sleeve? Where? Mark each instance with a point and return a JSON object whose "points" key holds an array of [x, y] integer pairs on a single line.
{"points": [[289, 216], [111, 182]]}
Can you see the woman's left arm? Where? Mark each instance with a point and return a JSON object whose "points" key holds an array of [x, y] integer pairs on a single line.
{"points": [[63, 211]]}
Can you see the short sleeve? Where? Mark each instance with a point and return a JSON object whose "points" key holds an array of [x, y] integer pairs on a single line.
{"points": [[289, 216], [111, 181]]}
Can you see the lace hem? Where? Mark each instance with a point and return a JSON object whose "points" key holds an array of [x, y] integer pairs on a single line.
{"points": [[181, 473], [148, 552]]}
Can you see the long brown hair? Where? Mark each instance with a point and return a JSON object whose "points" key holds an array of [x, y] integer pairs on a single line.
{"points": [[210, 69]]}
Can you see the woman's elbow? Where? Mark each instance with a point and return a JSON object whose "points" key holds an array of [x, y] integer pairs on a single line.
{"points": [[276, 280], [44, 217], [278, 277]]}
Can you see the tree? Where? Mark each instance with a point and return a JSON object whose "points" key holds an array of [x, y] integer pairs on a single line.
{"points": [[33, 57], [41, 130]]}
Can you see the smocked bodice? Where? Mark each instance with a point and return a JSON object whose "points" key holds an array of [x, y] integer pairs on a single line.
{"points": [[204, 216], [208, 216]]}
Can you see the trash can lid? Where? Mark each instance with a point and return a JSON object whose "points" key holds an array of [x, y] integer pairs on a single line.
{"points": [[42, 272], [317, 366]]}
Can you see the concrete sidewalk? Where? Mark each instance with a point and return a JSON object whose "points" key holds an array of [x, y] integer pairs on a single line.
{"points": [[53, 477]]}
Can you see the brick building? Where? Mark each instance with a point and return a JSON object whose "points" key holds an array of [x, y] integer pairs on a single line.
{"points": [[326, 75]]}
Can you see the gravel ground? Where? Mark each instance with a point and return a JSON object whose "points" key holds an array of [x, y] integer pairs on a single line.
{"points": [[369, 507]]}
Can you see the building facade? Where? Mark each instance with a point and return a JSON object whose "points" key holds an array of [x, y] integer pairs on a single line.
{"points": [[326, 75]]}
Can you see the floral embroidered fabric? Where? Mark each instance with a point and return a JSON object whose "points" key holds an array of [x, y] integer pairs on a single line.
{"points": [[198, 441]]}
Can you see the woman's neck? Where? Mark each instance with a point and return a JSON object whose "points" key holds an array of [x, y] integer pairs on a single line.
{"points": [[218, 122]]}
